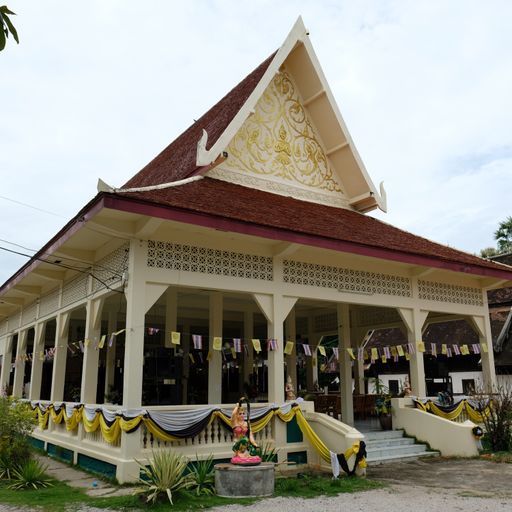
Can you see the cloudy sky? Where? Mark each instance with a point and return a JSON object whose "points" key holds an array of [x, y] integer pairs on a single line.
{"points": [[98, 88]]}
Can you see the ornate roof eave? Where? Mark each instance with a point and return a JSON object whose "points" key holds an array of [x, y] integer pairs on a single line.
{"points": [[367, 201]]}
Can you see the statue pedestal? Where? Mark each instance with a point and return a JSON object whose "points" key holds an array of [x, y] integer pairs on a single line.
{"points": [[233, 481]]}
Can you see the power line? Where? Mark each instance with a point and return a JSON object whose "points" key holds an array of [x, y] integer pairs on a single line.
{"points": [[33, 207]]}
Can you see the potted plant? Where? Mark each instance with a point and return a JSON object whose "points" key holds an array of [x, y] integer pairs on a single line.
{"points": [[383, 404]]}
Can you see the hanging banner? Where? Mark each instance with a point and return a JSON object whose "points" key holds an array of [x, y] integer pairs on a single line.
{"points": [[307, 349], [394, 353], [197, 340], [217, 343], [421, 346], [101, 344], [256, 345], [433, 349], [464, 350], [476, 348], [351, 353], [407, 356], [483, 346], [321, 349], [272, 344], [456, 350], [444, 349], [237, 344], [374, 354], [288, 349], [175, 338], [400, 350]]}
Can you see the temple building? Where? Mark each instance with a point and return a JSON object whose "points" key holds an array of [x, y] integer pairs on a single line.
{"points": [[229, 263]]}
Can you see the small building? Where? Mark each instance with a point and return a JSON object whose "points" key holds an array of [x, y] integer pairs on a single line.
{"points": [[217, 271]]}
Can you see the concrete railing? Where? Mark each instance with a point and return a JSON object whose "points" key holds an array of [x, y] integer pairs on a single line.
{"points": [[448, 437]]}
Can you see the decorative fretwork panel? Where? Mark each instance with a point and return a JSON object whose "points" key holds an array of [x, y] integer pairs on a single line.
{"points": [[49, 303], [442, 292], [109, 270], [344, 279], [377, 316], [189, 258], [75, 290], [29, 314]]}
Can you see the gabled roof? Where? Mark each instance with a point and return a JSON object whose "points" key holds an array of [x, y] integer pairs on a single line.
{"points": [[224, 205], [206, 140]]}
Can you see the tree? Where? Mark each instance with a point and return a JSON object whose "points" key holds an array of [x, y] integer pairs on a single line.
{"points": [[503, 236], [6, 26], [488, 252]]}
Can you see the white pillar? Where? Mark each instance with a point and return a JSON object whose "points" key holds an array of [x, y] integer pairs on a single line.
{"points": [[90, 363], [60, 358], [110, 360], [6, 363], [347, 402], [357, 336], [215, 363], [416, 365], [135, 313], [19, 366], [171, 315], [291, 360], [185, 346], [248, 357], [37, 363], [312, 362], [482, 326]]}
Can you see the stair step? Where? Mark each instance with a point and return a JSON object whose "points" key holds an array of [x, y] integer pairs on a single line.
{"points": [[399, 441], [399, 458], [393, 451], [383, 434]]}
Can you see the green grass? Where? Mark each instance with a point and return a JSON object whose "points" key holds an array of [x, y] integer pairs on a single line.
{"points": [[61, 497]]}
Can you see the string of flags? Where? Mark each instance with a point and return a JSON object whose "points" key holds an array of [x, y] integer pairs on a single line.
{"points": [[236, 346]]}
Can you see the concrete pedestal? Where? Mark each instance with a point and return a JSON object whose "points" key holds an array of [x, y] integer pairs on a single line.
{"points": [[244, 481]]}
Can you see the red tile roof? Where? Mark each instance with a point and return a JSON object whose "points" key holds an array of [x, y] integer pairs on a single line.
{"points": [[222, 200], [178, 160]]}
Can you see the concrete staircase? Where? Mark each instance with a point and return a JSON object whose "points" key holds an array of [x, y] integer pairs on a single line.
{"points": [[392, 446]]}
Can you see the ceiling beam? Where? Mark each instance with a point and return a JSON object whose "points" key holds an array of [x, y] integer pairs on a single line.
{"points": [[313, 97], [146, 226], [50, 275], [12, 301], [492, 282], [336, 148], [28, 290], [285, 249], [112, 227]]}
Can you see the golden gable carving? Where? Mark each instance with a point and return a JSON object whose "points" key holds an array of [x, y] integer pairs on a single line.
{"points": [[279, 140]]}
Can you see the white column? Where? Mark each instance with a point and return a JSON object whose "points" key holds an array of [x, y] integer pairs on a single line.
{"points": [[215, 363], [185, 346], [312, 362], [6, 363], [347, 402], [90, 363], [357, 337], [249, 355], [19, 367], [135, 313], [482, 326], [60, 358], [416, 365], [291, 360], [171, 315], [37, 363], [110, 361]]}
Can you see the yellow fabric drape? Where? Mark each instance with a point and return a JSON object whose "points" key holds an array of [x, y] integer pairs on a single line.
{"points": [[463, 405], [311, 436]]}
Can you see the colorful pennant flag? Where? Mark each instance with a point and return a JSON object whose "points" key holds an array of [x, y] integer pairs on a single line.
{"points": [[421, 346], [483, 346], [400, 350], [237, 344], [464, 350], [407, 356], [456, 350], [410, 348], [217, 343], [307, 349], [175, 338], [233, 352], [476, 348], [288, 349], [394, 353], [374, 354], [197, 340], [101, 344], [272, 344], [360, 353], [448, 352], [256, 345], [433, 349], [209, 356], [444, 349], [81, 345], [336, 353], [321, 349], [153, 330], [351, 353]]}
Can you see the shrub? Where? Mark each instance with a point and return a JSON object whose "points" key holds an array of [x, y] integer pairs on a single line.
{"points": [[203, 476], [269, 453], [17, 421], [165, 475], [30, 474], [498, 423]]}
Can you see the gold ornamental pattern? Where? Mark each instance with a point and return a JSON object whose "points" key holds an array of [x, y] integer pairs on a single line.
{"points": [[279, 140]]}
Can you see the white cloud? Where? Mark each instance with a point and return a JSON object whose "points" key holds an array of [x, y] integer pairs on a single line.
{"points": [[98, 89]]}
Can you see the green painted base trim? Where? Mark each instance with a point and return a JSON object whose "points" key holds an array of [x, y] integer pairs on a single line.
{"points": [[60, 453], [298, 457], [96, 466], [36, 443], [293, 432]]}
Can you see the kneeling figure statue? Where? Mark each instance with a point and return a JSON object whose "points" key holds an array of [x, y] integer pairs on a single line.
{"points": [[246, 451]]}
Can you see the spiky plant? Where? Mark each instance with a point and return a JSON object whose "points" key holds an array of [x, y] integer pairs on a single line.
{"points": [[5, 467], [203, 476], [269, 453], [30, 474], [164, 476]]}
